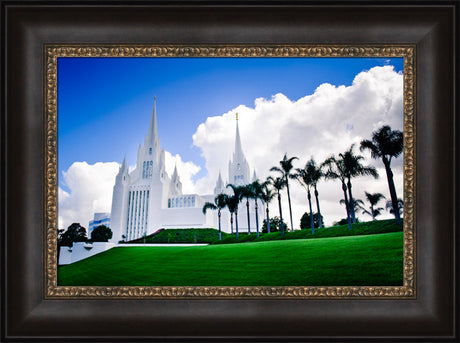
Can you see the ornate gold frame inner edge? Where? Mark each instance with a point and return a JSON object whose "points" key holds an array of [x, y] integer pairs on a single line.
{"points": [[54, 51]]}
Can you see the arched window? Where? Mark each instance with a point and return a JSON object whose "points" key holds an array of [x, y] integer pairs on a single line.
{"points": [[150, 169], [169, 203], [143, 170], [150, 151]]}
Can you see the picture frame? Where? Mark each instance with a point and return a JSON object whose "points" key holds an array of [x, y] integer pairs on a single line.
{"points": [[30, 312]]}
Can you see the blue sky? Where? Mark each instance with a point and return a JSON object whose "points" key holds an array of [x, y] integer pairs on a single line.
{"points": [[104, 104]]}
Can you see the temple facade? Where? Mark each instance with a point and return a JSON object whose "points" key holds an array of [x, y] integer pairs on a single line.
{"points": [[148, 199]]}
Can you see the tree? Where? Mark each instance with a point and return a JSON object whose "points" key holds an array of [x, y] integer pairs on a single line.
{"points": [[305, 220], [386, 144], [74, 233], [232, 204], [336, 171], [220, 201], [373, 199], [358, 205], [390, 208], [267, 196], [278, 184], [309, 177], [101, 233], [274, 225], [316, 174], [257, 194], [285, 170], [247, 192], [354, 168]]}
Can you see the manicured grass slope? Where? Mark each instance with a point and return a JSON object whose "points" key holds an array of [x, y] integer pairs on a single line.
{"points": [[369, 260], [358, 229]]}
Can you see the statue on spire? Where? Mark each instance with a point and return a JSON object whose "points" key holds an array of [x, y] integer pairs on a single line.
{"points": [[236, 114]]}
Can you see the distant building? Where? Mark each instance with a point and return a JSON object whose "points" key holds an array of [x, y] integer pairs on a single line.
{"points": [[99, 219], [147, 198]]}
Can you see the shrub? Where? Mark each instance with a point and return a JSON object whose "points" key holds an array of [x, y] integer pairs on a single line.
{"points": [[305, 221]]}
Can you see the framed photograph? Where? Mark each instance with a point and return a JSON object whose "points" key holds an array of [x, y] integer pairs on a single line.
{"points": [[197, 164]]}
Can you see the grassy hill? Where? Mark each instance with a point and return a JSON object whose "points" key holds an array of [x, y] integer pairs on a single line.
{"points": [[369, 260], [182, 236]]}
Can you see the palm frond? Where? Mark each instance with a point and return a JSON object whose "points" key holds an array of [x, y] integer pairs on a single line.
{"points": [[209, 206]]}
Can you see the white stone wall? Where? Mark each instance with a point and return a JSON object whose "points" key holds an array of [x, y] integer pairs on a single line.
{"points": [[81, 250]]}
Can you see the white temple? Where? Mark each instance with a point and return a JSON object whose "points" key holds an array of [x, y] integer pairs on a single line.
{"points": [[148, 199]]}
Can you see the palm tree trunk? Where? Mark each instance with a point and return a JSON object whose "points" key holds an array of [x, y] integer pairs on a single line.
{"points": [[236, 222], [268, 221], [391, 185], [320, 222], [352, 203], [344, 188], [257, 218], [281, 215], [372, 211], [231, 222], [289, 201], [220, 232], [312, 225], [249, 222]]}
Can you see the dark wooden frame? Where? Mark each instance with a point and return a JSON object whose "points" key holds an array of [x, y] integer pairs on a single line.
{"points": [[27, 26]]}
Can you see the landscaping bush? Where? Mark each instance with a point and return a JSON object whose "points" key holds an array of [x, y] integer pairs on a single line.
{"points": [[181, 236]]}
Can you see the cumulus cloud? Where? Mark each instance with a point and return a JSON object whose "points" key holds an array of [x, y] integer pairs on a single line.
{"points": [[323, 123], [186, 170], [91, 185], [90, 190]]}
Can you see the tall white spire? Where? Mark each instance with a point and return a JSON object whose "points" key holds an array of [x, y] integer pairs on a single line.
{"points": [[238, 168], [219, 185], [124, 165], [175, 175], [152, 134], [238, 148]]}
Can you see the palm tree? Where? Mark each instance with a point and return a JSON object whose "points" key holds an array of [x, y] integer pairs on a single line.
{"points": [[247, 192], [304, 179], [285, 170], [257, 194], [278, 184], [220, 201], [316, 174], [233, 202], [309, 177], [358, 204], [336, 171], [386, 144], [266, 195], [390, 208], [373, 199], [354, 168]]}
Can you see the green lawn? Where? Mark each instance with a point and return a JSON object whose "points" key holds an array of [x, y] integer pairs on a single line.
{"points": [[371, 260]]}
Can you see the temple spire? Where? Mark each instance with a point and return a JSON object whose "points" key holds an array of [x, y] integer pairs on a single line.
{"points": [[219, 185], [175, 174], [124, 165], [238, 148], [152, 135]]}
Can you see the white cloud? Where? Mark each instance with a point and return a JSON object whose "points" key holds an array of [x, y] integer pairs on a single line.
{"points": [[186, 170], [90, 188], [328, 121]]}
